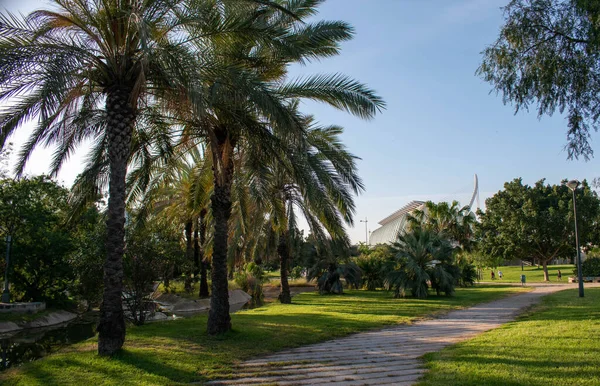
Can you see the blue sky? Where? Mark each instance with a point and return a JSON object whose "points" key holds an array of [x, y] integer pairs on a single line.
{"points": [[441, 124]]}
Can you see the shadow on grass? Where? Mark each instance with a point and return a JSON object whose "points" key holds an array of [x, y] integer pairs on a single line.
{"points": [[180, 351]]}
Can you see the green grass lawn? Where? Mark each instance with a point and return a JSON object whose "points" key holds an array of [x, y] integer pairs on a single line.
{"points": [[180, 351], [512, 274], [557, 343]]}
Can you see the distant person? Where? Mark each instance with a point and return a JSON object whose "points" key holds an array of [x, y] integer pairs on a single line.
{"points": [[492, 274], [499, 274], [559, 275]]}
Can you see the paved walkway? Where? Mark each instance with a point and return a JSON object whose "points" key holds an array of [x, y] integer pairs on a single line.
{"points": [[382, 357]]}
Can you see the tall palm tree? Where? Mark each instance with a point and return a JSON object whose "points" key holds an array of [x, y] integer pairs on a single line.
{"points": [[248, 107], [65, 65], [317, 179]]}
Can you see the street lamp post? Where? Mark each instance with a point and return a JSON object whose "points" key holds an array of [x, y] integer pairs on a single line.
{"points": [[573, 184], [6, 293], [366, 221]]}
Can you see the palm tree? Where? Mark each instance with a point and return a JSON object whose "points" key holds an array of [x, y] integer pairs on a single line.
{"points": [[447, 219], [86, 70], [422, 257], [246, 107], [334, 262], [317, 179]]}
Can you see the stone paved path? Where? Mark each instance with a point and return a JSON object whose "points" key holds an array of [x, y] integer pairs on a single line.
{"points": [[382, 357]]}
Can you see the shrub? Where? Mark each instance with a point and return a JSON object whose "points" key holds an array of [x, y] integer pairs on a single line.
{"points": [[251, 279], [590, 267], [296, 273], [373, 274]]}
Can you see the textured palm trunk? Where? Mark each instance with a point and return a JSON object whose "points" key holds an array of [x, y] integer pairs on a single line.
{"points": [[203, 268], [189, 256], [219, 320], [121, 117], [196, 252], [283, 250]]}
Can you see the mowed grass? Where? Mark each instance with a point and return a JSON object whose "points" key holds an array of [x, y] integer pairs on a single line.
{"points": [[512, 274], [180, 351], [557, 343]]}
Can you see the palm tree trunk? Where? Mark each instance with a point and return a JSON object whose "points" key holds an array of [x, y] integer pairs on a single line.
{"points": [[219, 320], [121, 117], [189, 256], [196, 252], [284, 256], [203, 279]]}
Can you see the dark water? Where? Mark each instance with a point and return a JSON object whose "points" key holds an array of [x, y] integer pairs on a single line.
{"points": [[29, 345]]}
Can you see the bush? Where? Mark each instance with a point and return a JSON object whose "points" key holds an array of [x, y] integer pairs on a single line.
{"points": [[590, 267], [467, 275], [373, 274], [250, 279], [296, 273]]}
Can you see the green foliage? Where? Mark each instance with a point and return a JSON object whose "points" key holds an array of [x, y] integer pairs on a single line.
{"points": [[526, 222], [333, 264], [423, 259], [590, 267], [448, 220], [467, 275], [547, 54], [297, 272], [373, 263], [149, 249], [251, 279], [33, 211], [87, 260]]}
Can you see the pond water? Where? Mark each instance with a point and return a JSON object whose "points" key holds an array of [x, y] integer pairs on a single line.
{"points": [[29, 345]]}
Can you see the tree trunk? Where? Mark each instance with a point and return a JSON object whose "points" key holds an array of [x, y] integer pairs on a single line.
{"points": [[189, 256], [196, 252], [121, 117], [219, 320], [203, 268], [284, 256], [545, 265]]}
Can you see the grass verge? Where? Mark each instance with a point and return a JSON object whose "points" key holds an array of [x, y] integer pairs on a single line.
{"points": [[555, 343], [533, 274], [180, 351]]}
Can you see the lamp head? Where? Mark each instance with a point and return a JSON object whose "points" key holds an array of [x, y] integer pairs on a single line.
{"points": [[573, 184]]}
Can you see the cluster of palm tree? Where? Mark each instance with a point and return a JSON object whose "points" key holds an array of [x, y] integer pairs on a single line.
{"points": [[430, 254], [189, 109]]}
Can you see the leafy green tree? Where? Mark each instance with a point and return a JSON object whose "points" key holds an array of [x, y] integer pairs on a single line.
{"points": [[536, 222], [88, 257], [423, 258], [149, 248], [547, 55], [33, 211]]}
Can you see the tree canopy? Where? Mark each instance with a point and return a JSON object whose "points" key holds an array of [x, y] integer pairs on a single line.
{"points": [[536, 222], [548, 55]]}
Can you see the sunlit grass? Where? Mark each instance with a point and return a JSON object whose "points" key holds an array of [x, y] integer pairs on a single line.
{"points": [[557, 343], [512, 274], [180, 351]]}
